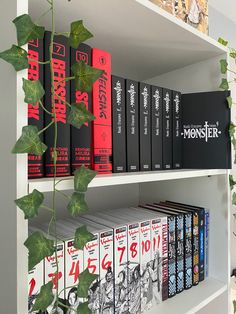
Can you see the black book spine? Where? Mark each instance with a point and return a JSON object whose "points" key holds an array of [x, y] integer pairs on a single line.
{"points": [[145, 126], [36, 113], [132, 126], [180, 253], [172, 256], [188, 251], [118, 124], [201, 244], [177, 126], [156, 127], [167, 129], [61, 68], [81, 138]]}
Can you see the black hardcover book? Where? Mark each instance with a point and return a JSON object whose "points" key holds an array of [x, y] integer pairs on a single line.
{"points": [[132, 125], [177, 138], [36, 113], [145, 126], [156, 127], [206, 140], [118, 124], [167, 129], [80, 138], [61, 67]]}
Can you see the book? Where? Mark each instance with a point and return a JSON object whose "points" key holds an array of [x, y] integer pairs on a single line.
{"points": [[207, 233], [145, 126], [132, 125], [81, 138], [177, 126], [156, 127], [35, 112], [167, 129], [206, 119], [61, 69], [118, 124], [101, 126]]}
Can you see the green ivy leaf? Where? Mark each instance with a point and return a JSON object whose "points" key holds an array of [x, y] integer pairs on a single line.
{"points": [[83, 176], [85, 76], [224, 84], [27, 30], [79, 115], [233, 55], [234, 199], [223, 66], [39, 247], [16, 56], [229, 101], [232, 182], [77, 204], [82, 236], [34, 91], [78, 34], [29, 142], [30, 204], [222, 41], [85, 281], [232, 129], [45, 298], [83, 308]]}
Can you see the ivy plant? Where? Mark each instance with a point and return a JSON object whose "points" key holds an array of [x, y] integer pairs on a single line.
{"points": [[38, 244]]}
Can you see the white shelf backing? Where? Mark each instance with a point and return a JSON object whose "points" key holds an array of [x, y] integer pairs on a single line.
{"points": [[144, 40], [193, 300], [46, 184]]}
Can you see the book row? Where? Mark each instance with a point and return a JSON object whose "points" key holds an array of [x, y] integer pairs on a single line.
{"points": [[142, 256], [138, 127]]}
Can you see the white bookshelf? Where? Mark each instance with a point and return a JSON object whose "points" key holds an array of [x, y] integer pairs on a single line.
{"points": [[146, 44]]}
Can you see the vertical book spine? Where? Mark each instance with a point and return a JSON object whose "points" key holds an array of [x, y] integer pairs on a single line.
{"points": [[81, 138], [132, 126], [172, 256], [61, 69], [188, 263], [145, 126], [36, 113], [201, 243], [195, 249], [177, 139], [167, 129], [101, 126], [180, 253], [156, 127], [118, 124], [207, 224]]}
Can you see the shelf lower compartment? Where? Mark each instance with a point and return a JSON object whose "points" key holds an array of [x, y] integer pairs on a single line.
{"points": [[46, 184], [192, 300]]}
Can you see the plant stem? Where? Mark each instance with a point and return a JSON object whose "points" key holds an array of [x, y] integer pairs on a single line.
{"points": [[66, 79], [46, 127], [59, 181], [42, 106], [65, 195], [45, 13], [39, 62], [66, 306], [46, 207], [70, 287], [63, 33], [63, 100]]}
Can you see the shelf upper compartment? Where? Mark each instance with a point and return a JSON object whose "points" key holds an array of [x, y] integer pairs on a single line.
{"points": [[46, 184], [144, 40]]}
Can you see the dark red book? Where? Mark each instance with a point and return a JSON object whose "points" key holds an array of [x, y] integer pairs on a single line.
{"points": [[81, 138], [61, 66], [101, 126], [35, 113]]}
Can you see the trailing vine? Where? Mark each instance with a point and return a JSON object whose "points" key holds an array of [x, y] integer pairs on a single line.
{"points": [[41, 245]]}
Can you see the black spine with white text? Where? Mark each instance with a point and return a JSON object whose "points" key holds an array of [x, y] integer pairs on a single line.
{"points": [[177, 123], [167, 129]]}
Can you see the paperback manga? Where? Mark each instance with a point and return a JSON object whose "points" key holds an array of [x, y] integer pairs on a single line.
{"points": [[207, 225], [61, 69], [35, 282], [118, 124], [35, 112], [101, 126], [167, 129], [132, 125], [156, 127], [177, 124], [145, 126], [81, 138]]}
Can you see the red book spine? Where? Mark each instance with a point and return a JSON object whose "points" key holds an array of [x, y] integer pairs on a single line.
{"points": [[35, 113], [101, 127]]}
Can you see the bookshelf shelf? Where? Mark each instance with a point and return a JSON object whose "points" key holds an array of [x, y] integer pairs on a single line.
{"points": [[149, 44], [46, 184]]}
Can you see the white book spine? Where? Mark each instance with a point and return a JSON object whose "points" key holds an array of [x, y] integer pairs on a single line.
{"points": [[35, 282]]}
